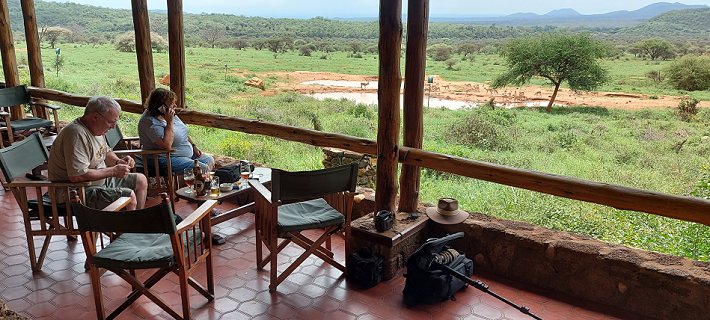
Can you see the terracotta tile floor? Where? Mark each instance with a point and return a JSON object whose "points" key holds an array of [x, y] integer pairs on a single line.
{"points": [[62, 289]]}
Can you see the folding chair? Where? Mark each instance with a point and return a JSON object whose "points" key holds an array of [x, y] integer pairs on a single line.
{"points": [[318, 200], [147, 239], [15, 97], [43, 215]]}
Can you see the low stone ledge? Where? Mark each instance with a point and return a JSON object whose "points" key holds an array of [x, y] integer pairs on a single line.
{"points": [[647, 283]]}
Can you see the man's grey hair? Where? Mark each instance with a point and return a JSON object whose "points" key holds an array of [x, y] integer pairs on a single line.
{"points": [[101, 104]]}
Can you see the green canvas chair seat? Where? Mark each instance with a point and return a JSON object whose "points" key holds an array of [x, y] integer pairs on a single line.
{"points": [[142, 251], [312, 214], [46, 202], [28, 124]]}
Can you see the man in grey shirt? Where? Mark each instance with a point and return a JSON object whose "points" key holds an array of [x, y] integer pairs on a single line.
{"points": [[80, 154]]}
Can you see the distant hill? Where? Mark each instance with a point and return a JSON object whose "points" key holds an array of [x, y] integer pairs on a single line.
{"points": [[561, 13], [570, 17], [689, 24], [652, 10]]}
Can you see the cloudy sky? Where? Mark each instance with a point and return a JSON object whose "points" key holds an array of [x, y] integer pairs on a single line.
{"points": [[369, 8]]}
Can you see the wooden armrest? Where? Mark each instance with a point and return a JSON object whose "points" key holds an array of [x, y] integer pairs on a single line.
{"points": [[143, 151], [197, 215], [46, 105], [261, 190], [118, 205], [131, 138], [27, 183]]}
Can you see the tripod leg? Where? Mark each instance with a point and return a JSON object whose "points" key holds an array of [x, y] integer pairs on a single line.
{"points": [[480, 285]]}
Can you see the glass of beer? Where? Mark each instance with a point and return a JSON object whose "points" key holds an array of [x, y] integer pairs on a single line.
{"points": [[189, 178], [245, 170], [214, 186]]}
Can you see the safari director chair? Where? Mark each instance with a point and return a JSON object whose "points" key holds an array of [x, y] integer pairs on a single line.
{"points": [[317, 201], [147, 239]]}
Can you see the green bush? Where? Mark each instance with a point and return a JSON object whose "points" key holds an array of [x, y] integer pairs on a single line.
{"points": [[362, 111], [691, 73], [484, 128], [702, 189], [687, 108]]}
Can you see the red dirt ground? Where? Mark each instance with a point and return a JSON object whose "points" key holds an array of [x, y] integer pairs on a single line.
{"points": [[467, 91]]}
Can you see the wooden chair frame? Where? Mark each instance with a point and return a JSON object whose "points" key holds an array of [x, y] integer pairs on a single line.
{"points": [[187, 255]]}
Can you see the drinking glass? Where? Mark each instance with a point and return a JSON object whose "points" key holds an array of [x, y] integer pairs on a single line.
{"points": [[189, 178], [244, 170], [214, 186]]}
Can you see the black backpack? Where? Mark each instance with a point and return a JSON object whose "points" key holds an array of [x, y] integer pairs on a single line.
{"points": [[365, 268], [228, 173], [427, 284]]}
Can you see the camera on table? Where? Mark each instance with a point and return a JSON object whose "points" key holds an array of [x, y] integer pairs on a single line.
{"points": [[384, 220]]}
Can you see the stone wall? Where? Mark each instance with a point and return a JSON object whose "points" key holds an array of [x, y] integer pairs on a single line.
{"points": [[366, 175], [654, 285]]}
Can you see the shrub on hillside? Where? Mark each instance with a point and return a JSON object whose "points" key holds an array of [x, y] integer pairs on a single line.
{"points": [[687, 108], [702, 189], [484, 128], [690, 73], [440, 52], [305, 51], [126, 42]]}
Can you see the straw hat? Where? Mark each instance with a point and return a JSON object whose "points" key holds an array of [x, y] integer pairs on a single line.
{"points": [[447, 212]]}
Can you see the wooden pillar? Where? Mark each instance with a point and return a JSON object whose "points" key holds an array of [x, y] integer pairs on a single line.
{"points": [[413, 122], [7, 50], [176, 45], [388, 104], [144, 51], [34, 53]]}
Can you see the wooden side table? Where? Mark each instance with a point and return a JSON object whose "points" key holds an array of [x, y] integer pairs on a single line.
{"points": [[242, 196]]}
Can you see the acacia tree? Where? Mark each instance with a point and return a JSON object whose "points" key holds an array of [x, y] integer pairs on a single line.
{"points": [[559, 58], [656, 48], [440, 52], [213, 34], [52, 34]]}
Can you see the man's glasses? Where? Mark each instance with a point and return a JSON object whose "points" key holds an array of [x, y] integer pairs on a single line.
{"points": [[107, 120]]}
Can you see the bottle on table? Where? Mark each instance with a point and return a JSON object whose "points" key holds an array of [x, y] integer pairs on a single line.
{"points": [[201, 186]]}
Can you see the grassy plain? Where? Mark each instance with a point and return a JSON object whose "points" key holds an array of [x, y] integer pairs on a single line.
{"points": [[631, 148]]}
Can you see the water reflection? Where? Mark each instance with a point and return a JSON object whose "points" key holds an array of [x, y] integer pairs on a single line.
{"points": [[370, 98]]}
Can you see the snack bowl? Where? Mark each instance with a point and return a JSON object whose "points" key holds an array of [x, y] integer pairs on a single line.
{"points": [[225, 187]]}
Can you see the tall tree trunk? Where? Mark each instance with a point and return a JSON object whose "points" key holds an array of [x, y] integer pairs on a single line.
{"points": [[554, 95]]}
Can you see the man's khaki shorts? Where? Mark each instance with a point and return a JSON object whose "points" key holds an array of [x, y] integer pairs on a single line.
{"points": [[98, 197]]}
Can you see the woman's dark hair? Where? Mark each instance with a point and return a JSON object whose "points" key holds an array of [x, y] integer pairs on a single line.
{"points": [[157, 98]]}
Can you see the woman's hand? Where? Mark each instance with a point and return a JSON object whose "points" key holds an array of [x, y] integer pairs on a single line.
{"points": [[196, 152], [169, 113]]}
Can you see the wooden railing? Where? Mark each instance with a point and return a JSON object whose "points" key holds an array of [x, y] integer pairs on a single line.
{"points": [[620, 197]]}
